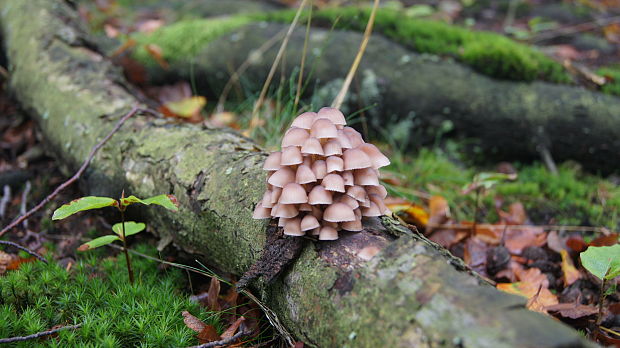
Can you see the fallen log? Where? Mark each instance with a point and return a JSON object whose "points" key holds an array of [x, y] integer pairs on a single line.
{"points": [[511, 120], [413, 293]]}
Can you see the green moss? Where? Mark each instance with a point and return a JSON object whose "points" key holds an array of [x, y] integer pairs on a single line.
{"points": [[489, 53], [569, 198], [185, 38], [95, 292], [613, 79]]}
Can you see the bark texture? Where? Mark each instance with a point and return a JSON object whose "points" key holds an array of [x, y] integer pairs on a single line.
{"points": [[512, 120], [412, 294]]}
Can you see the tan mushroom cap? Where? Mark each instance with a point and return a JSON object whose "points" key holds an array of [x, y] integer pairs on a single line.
{"points": [[284, 211], [333, 115], [273, 161], [275, 194], [333, 182], [318, 195], [377, 189], [291, 156], [375, 198], [282, 222], [355, 138], [358, 213], [293, 227], [334, 164], [338, 212], [319, 167], [349, 179], [304, 175], [376, 157], [261, 212], [304, 120], [366, 176], [350, 201], [266, 201], [343, 139], [312, 146], [353, 226], [323, 128], [309, 222], [373, 210], [328, 233], [357, 192], [295, 137], [332, 147], [282, 177], [333, 225], [293, 193], [356, 159]]}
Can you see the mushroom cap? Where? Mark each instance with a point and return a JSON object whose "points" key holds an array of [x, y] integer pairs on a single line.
{"points": [[312, 146], [292, 227], [379, 202], [366, 176], [266, 201], [293, 193], [295, 137], [332, 147], [304, 175], [307, 161], [328, 233], [334, 164], [343, 139], [309, 222], [323, 128], [284, 211], [377, 189], [305, 120], [358, 213], [333, 182], [261, 212], [282, 222], [353, 226], [318, 195], [373, 210], [355, 138], [333, 225], [273, 161], [319, 167], [355, 159], [275, 194], [376, 157], [357, 192], [350, 201], [305, 207], [291, 156], [333, 115], [282, 177], [349, 179], [339, 212]]}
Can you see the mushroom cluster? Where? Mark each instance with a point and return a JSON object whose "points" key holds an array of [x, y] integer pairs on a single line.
{"points": [[324, 180]]}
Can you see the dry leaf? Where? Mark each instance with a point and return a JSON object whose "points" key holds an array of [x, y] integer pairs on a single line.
{"points": [[544, 298], [570, 273], [208, 334], [439, 211], [230, 332], [157, 54], [192, 322], [572, 310], [214, 294], [518, 239]]}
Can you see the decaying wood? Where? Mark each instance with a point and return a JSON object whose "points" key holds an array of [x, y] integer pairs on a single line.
{"points": [[411, 294]]}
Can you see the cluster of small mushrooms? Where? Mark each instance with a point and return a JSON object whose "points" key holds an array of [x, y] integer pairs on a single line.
{"points": [[324, 180]]}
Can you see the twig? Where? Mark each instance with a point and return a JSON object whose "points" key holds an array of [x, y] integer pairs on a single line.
{"points": [[545, 154], [6, 198], [223, 342], [602, 230], [358, 58], [22, 209], [274, 66], [15, 245], [39, 334], [574, 29], [303, 61], [80, 171]]}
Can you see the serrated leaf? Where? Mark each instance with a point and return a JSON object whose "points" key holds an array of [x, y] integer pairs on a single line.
{"points": [[81, 204], [131, 228], [97, 242], [166, 201], [603, 262]]}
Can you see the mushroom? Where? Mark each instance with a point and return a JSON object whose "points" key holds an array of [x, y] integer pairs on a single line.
{"points": [[325, 178]]}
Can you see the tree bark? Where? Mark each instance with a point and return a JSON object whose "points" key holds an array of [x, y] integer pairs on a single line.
{"points": [[412, 293], [511, 120]]}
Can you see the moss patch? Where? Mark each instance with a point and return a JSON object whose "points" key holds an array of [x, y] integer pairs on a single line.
{"points": [[96, 292], [612, 74]]}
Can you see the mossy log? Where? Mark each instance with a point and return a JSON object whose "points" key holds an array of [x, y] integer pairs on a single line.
{"points": [[512, 120], [411, 294]]}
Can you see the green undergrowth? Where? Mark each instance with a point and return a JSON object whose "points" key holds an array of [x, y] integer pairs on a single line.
{"points": [[96, 293], [489, 53], [568, 198], [612, 75]]}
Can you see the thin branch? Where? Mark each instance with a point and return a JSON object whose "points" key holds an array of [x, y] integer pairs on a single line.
{"points": [[303, 61], [602, 230], [549, 34], [22, 209], [274, 66], [6, 198], [37, 335], [358, 58], [223, 342], [80, 171], [15, 245]]}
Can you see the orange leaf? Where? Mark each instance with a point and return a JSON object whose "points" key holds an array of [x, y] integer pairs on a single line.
{"points": [[230, 332], [570, 273], [188, 108], [411, 213], [607, 240], [157, 54], [208, 334], [538, 297], [439, 210]]}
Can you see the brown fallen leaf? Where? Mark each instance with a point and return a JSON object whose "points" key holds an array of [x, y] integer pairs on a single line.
{"points": [[232, 329], [439, 211], [5, 260], [569, 272], [572, 310], [576, 243], [518, 239], [157, 53], [607, 240], [193, 322], [555, 242], [214, 294], [208, 334], [539, 297]]}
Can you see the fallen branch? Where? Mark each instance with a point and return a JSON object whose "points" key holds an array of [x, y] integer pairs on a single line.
{"points": [[37, 335], [77, 174], [15, 245], [602, 230], [223, 342]]}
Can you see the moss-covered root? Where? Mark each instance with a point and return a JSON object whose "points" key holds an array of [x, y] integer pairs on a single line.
{"points": [[407, 295]]}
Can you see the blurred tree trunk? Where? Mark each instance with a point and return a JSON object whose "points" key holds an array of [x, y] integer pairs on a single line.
{"points": [[410, 294]]}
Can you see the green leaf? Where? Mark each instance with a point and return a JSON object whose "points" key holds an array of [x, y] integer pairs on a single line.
{"points": [[603, 262], [97, 242], [81, 204], [131, 228], [166, 201]]}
